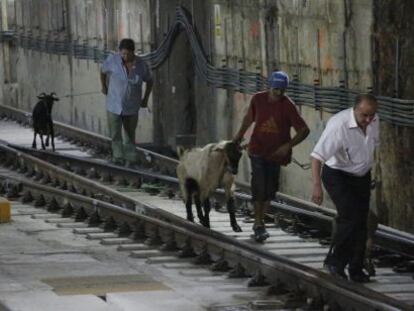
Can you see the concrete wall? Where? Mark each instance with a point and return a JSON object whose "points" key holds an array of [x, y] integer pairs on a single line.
{"points": [[184, 104], [314, 40], [95, 22], [305, 38], [394, 69]]}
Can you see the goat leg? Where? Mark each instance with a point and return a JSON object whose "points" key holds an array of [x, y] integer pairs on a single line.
{"points": [[41, 140], [207, 212], [188, 204], [52, 135], [199, 210], [47, 141], [34, 141], [231, 210]]}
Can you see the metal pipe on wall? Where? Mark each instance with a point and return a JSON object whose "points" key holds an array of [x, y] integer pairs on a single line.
{"points": [[393, 110]]}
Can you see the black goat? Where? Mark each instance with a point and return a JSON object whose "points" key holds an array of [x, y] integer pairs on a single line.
{"points": [[42, 119]]}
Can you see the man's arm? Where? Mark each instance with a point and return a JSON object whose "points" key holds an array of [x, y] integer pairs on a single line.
{"points": [[300, 136], [327, 146], [247, 121], [105, 70], [148, 89], [104, 85], [317, 193]]}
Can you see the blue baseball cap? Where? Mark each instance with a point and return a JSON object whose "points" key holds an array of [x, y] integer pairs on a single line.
{"points": [[278, 80]]}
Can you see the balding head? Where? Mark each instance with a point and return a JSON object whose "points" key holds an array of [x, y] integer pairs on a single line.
{"points": [[365, 108]]}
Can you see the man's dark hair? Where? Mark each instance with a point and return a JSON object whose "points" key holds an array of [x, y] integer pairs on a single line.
{"points": [[127, 44], [367, 97]]}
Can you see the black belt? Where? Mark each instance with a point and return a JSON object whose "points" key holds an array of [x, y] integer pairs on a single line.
{"points": [[348, 174]]}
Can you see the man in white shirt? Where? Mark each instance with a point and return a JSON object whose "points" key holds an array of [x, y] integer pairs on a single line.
{"points": [[346, 147]]}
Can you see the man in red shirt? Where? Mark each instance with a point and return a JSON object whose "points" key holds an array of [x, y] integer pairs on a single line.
{"points": [[270, 145]]}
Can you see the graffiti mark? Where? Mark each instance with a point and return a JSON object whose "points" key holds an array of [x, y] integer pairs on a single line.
{"points": [[321, 38], [255, 30], [121, 30], [328, 63]]}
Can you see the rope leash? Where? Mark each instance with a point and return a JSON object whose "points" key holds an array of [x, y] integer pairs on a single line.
{"points": [[80, 94], [94, 92], [305, 166]]}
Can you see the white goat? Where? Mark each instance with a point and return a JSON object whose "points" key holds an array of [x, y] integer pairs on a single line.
{"points": [[201, 171]]}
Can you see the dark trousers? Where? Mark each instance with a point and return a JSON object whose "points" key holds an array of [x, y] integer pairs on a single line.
{"points": [[351, 196], [265, 179]]}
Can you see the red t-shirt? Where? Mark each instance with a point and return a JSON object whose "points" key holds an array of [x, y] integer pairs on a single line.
{"points": [[273, 118]]}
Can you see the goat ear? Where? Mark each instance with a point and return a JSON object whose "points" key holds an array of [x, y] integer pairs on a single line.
{"points": [[41, 96], [220, 146], [180, 151]]}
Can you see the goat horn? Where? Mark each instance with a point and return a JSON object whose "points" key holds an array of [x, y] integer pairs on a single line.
{"points": [[41, 96], [54, 96]]}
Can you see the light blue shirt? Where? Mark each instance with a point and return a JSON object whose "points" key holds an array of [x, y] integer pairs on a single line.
{"points": [[124, 91]]}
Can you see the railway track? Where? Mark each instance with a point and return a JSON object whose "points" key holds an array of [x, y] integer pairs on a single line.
{"points": [[114, 186], [96, 147], [118, 225]]}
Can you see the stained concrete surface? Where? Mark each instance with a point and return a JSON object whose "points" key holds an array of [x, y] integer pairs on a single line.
{"points": [[37, 258]]}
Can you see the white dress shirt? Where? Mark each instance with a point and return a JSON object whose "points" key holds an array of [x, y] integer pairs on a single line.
{"points": [[125, 89], [344, 146]]}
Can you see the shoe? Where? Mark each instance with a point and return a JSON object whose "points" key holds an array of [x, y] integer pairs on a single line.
{"points": [[260, 234], [265, 233], [335, 272], [359, 277], [370, 267], [263, 229]]}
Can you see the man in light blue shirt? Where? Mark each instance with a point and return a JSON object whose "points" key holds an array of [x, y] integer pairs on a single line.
{"points": [[122, 75]]}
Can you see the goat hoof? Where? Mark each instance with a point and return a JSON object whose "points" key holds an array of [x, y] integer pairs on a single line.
{"points": [[205, 223], [236, 228]]}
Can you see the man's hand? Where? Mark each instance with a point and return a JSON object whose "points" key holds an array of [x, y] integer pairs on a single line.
{"points": [[144, 103], [317, 194], [104, 83], [281, 152], [237, 140]]}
